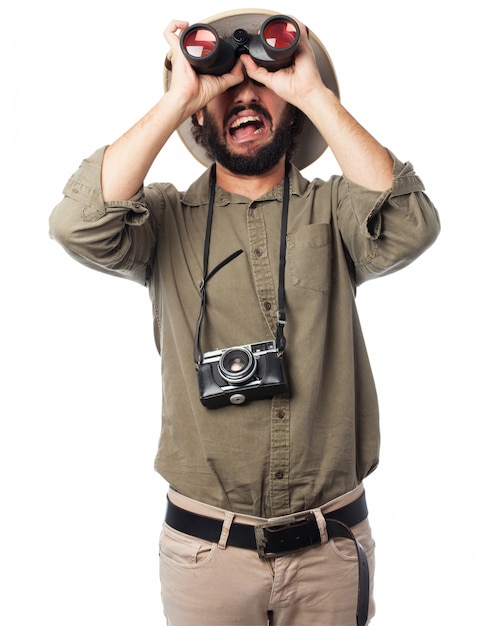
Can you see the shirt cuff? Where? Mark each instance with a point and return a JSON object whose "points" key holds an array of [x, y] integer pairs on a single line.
{"points": [[84, 187], [405, 182]]}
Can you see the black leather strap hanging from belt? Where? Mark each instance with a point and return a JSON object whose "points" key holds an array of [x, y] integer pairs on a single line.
{"points": [[284, 535]]}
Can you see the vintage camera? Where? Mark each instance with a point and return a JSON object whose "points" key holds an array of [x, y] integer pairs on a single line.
{"points": [[274, 47], [240, 374]]}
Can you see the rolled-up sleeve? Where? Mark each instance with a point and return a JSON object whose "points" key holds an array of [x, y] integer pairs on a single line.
{"points": [[115, 237], [385, 231]]}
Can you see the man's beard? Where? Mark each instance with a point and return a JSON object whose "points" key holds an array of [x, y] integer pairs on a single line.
{"points": [[260, 161]]}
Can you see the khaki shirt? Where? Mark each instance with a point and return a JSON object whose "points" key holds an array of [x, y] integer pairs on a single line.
{"points": [[297, 450]]}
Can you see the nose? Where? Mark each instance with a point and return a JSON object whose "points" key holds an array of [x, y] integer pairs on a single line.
{"points": [[246, 91]]}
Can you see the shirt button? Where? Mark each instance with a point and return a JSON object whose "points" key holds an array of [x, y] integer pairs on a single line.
{"points": [[280, 415], [267, 305], [258, 252], [279, 475]]}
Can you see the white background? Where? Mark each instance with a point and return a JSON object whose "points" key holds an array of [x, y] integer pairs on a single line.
{"points": [[80, 504]]}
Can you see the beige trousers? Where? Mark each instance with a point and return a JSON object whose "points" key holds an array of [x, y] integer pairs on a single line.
{"points": [[211, 584]]}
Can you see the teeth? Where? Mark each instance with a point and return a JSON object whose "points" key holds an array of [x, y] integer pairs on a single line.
{"points": [[244, 120]]}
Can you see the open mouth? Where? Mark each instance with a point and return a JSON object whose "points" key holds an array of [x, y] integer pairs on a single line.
{"points": [[247, 127]]}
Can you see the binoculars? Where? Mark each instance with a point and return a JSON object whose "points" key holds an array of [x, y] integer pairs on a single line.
{"points": [[273, 48]]}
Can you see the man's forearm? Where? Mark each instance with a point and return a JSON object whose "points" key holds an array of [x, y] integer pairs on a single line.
{"points": [[128, 160], [361, 157]]}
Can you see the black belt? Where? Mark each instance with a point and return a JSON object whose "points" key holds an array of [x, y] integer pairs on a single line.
{"points": [[277, 537]]}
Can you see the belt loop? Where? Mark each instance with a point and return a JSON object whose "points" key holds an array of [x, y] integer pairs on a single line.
{"points": [[225, 530], [322, 525]]}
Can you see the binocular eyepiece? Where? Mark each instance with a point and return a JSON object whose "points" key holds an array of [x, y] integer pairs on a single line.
{"points": [[273, 48]]}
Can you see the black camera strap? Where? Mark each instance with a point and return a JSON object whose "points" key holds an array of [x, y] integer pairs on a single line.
{"points": [[281, 316]]}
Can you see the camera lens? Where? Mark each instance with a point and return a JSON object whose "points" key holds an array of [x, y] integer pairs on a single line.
{"points": [[280, 33], [237, 365], [199, 42]]}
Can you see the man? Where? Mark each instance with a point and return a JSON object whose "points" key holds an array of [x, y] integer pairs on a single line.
{"points": [[270, 417]]}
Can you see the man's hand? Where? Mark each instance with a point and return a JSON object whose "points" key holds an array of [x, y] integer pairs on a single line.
{"points": [[190, 89], [297, 83]]}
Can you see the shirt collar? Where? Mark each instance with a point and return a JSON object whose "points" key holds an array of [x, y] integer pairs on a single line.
{"points": [[198, 192]]}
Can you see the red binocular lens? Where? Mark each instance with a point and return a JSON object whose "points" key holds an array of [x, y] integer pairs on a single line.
{"points": [[280, 33], [200, 42], [273, 48]]}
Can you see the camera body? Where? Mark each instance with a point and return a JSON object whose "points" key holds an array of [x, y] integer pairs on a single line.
{"points": [[233, 376], [273, 48]]}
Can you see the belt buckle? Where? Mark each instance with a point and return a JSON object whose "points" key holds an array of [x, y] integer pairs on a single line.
{"points": [[260, 533]]}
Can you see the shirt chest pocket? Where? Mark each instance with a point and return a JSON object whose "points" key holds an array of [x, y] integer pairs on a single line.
{"points": [[309, 257]]}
